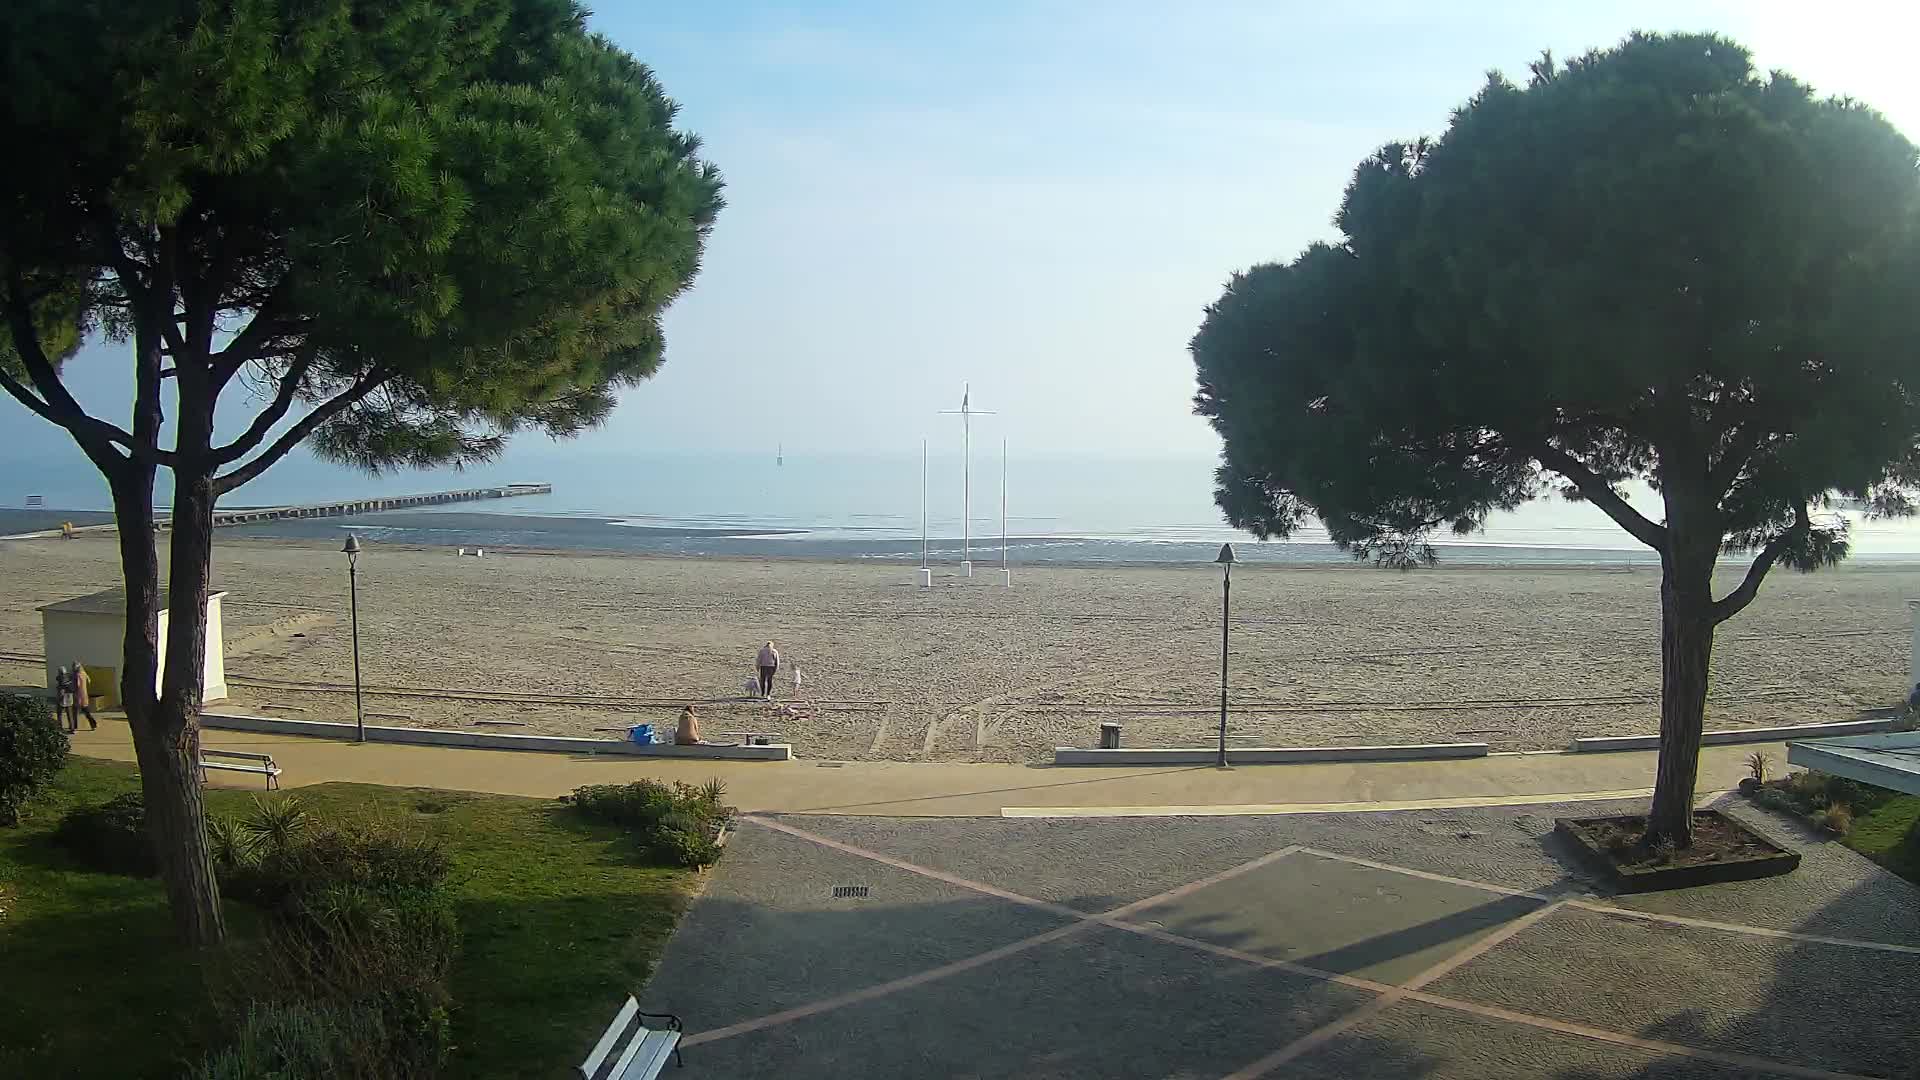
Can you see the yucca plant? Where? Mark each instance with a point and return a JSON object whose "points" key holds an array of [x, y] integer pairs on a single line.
{"points": [[232, 846], [275, 824]]}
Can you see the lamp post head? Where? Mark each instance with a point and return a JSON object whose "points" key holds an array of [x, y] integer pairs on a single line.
{"points": [[351, 547], [1226, 554]]}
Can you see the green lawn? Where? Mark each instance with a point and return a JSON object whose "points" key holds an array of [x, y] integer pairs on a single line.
{"points": [[558, 918], [1890, 836]]}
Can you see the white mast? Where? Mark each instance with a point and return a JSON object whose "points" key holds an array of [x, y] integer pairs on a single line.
{"points": [[1006, 575], [923, 504], [966, 412]]}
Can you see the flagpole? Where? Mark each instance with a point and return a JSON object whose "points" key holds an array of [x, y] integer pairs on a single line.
{"points": [[966, 482], [1003, 504], [966, 412], [923, 504]]}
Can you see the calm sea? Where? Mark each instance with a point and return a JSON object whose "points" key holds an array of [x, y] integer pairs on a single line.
{"points": [[1058, 509]]}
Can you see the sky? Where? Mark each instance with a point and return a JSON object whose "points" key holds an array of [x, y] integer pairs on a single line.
{"points": [[1039, 199]]}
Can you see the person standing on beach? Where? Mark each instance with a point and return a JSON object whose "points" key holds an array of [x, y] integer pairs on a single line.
{"points": [[769, 661], [82, 698]]}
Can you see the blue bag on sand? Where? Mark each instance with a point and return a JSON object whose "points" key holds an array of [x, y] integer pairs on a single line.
{"points": [[641, 734]]}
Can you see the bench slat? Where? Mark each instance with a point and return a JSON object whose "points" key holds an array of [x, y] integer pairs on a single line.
{"points": [[208, 751], [273, 770], [633, 1050], [605, 1046], [655, 1048]]}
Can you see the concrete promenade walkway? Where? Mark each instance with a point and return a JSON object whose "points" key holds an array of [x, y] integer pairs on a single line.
{"points": [[930, 789]]}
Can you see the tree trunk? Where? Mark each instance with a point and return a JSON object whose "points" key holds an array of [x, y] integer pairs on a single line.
{"points": [[1686, 651], [176, 814], [167, 749]]}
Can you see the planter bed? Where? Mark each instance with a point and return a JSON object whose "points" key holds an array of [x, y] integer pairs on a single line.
{"points": [[1723, 850]]}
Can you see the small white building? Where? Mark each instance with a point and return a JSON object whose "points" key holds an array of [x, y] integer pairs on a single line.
{"points": [[92, 629]]}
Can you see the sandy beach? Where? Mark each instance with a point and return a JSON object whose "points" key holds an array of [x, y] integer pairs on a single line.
{"points": [[575, 644]]}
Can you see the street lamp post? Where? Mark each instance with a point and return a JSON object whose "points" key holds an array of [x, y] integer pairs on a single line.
{"points": [[352, 550], [1225, 559]]}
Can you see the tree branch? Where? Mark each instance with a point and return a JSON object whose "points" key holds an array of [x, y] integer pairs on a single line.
{"points": [[28, 398], [1736, 601], [1601, 494], [302, 428], [248, 344], [275, 411], [1725, 473], [54, 403]]}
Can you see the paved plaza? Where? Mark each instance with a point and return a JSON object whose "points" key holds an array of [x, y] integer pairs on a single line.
{"points": [[1461, 943]]}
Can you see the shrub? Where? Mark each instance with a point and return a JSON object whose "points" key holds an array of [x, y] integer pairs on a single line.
{"points": [[234, 848], [361, 931], [275, 824], [1822, 800], [683, 847], [32, 749], [673, 824], [110, 836], [640, 804], [290, 1042], [1759, 763], [309, 1041], [1777, 800], [383, 858], [1836, 818]]}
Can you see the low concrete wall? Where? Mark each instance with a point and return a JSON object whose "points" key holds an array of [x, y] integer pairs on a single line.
{"points": [[1738, 735], [1265, 755], [486, 740]]}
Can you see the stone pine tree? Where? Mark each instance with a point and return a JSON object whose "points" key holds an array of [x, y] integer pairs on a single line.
{"points": [[1650, 263], [396, 230]]}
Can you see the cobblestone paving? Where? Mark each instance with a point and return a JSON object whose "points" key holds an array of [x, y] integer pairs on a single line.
{"points": [[1447, 944]]}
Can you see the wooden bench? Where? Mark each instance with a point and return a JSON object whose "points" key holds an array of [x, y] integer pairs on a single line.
{"points": [[642, 1051], [239, 761]]}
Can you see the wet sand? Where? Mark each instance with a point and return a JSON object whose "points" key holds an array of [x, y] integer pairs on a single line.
{"points": [[1522, 658]]}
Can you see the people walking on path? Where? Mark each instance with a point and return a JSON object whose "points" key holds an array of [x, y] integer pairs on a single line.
{"points": [[63, 701], [769, 661], [82, 698]]}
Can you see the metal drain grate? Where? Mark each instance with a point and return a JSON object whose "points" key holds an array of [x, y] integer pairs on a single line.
{"points": [[850, 892]]}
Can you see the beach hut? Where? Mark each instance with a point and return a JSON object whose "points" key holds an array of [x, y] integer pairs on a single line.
{"points": [[91, 629]]}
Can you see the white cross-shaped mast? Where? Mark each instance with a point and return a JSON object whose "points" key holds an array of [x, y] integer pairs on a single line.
{"points": [[966, 412]]}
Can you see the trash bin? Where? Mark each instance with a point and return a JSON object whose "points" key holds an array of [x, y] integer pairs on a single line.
{"points": [[1109, 735]]}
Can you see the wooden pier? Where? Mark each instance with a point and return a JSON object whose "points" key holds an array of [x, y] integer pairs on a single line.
{"points": [[261, 514]]}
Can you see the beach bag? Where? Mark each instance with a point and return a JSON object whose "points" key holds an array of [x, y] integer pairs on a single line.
{"points": [[640, 734]]}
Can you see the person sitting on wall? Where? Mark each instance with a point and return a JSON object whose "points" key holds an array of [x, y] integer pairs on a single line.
{"points": [[688, 733]]}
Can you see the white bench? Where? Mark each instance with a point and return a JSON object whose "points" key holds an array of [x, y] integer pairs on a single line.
{"points": [[642, 1051], [239, 761]]}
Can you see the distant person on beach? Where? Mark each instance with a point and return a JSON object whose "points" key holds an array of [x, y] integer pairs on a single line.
{"points": [[769, 660], [688, 733], [82, 698], [63, 700]]}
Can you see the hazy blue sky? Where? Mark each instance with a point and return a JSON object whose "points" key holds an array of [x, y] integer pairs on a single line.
{"points": [[1040, 198]]}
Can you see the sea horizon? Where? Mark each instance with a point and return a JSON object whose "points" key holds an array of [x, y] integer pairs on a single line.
{"points": [[1058, 509]]}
